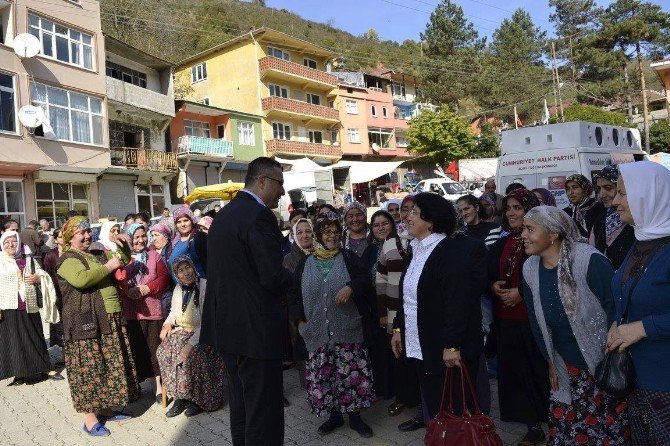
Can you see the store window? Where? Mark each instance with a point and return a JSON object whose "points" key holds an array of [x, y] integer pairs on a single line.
{"points": [[55, 200], [11, 202], [151, 199]]}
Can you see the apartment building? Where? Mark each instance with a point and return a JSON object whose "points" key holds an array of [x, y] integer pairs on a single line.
{"points": [[140, 106], [45, 177], [283, 80]]}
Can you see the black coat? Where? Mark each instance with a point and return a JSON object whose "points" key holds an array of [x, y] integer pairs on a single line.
{"points": [[590, 216], [449, 306], [619, 248], [242, 313]]}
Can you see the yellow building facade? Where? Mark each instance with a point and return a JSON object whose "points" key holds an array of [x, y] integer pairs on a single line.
{"points": [[281, 78]]}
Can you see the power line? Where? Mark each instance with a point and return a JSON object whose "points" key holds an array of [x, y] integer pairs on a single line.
{"points": [[464, 13], [400, 5]]}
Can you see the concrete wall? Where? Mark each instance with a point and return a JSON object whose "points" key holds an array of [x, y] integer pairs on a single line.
{"points": [[348, 121], [139, 97]]}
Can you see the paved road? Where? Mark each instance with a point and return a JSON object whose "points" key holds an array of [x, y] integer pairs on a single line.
{"points": [[42, 415]]}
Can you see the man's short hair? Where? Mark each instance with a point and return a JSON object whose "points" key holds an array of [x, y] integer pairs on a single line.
{"points": [[9, 222], [259, 167], [33, 223]]}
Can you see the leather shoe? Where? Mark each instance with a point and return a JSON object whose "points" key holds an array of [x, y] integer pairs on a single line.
{"points": [[360, 426], [16, 382], [336, 420], [411, 425], [193, 410], [177, 408], [56, 377], [395, 409]]}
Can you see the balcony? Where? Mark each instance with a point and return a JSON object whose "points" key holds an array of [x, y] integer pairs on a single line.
{"points": [[283, 69], [138, 97], [144, 159], [290, 108], [196, 145], [286, 147]]}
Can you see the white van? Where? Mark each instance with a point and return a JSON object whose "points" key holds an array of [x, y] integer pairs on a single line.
{"points": [[446, 187], [544, 156]]}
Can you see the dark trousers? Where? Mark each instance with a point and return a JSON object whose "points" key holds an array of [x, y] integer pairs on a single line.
{"points": [[256, 400], [406, 381], [431, 389]]}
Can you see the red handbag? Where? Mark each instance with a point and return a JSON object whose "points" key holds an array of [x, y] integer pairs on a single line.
{"points": [[449, 429]]}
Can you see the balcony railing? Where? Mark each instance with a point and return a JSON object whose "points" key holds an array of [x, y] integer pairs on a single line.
{"points": [[203, 146], [144, 159], [284, 66], [283, 146], [300, 108]]}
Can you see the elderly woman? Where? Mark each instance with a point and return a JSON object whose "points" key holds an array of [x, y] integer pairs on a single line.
{"points": [[568, 290], [192, 373], [143, 282], [488, 203], [188, 240], [107, 238], [609, 234], [160, 237], [583, 208], [100, 367], [439, 320], [328, 305], [287, 241], [23, 351], [523, 379], [356, 234], [393, 208], [641, 294]]}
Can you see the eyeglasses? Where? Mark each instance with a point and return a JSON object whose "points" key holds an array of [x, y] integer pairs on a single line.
{"points": [[383, 224], [281, 182], [331, 232]]}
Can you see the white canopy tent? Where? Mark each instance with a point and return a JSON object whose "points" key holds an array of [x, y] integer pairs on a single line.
{"points": [[364, 171], [301, 175]]}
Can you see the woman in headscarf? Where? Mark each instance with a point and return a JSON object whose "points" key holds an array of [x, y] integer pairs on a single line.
{"points": [[100, 367], [160, 238], [188, 240], [339, 375], [609, 234], [192, 374], [108, 233], [523, 378], [287, 241], [642, 297], [488, 203], [23, 351], [568, 290], [356, 234], [583, 208], [142, 284], [393, 208], [204, 223], [382, 226], [545, 197]]}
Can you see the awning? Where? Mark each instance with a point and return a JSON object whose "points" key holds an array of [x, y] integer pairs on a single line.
{"points": [[364, 171], [477, 169], [301, 165], [224, 191]]}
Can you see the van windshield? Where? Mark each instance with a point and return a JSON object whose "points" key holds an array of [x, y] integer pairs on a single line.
{"points": [[453, 188]]}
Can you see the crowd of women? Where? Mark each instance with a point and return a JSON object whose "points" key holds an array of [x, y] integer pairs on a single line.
{"points": [[507, 286]]}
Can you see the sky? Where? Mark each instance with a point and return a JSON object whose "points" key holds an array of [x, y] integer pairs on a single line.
{"points": [[405, 19]]}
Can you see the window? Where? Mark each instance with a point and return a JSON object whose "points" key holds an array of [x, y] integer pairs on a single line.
{"points": [[11, 201], [354, 136], [198, 73], [245, 133], [399, 90], [205, 101], [126, 74], [276, 52], [281, 131], [352, 107], [62, 43], [334, 137], [313, 99], [381, 137], [331, 104], [374, 110], [73, 116], [151, 199], [54, 200], [7, 104], [196, 128], [401, 141], [278, 91], [385, 112], [309, 63], [316, 136]]}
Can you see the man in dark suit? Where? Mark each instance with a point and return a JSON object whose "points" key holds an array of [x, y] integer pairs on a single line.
{"points": [[242, 314]]}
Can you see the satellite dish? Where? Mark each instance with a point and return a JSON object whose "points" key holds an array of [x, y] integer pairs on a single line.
{"points": [[31, 116], [26, 45], [375, 147]]}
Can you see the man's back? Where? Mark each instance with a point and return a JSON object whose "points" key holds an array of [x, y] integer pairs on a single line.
{"points": [[31, 239]]}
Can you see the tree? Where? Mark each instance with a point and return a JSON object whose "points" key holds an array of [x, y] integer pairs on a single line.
{"points": [[440, 136], [488, 142], [371, 34], [591, 113], [659, 137], [642, 27]]}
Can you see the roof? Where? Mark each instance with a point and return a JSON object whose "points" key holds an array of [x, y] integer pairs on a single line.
{"points": [[661, 65], [209, 110], [129, 52], [267, 34]]}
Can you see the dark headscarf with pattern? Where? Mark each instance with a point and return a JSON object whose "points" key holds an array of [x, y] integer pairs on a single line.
{"points": [[525, 197]]}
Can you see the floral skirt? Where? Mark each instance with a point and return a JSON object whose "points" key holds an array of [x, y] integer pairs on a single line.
{"points": [[199, 379], [650, 417], [339, 379], [101, 371], [593, 418]]}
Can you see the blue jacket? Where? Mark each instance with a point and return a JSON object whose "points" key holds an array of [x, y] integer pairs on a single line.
{"points": [[650, 303]]}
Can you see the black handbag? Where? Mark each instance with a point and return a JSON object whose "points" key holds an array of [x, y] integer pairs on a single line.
{"points": [[38, 288]]}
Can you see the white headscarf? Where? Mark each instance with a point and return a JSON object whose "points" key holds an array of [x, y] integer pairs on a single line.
{"points": [[648, 191], [104, 235], [5, 236], [390, 201]]}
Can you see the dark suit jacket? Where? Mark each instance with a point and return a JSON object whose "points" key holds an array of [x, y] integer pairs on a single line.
{"points": [[449, 310], [242, 313]]}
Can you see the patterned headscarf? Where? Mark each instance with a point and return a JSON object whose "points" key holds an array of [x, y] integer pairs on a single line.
{"points": [[73, 226], [206, 221], [355, 205], [490, 199], [547, 197], [184, 211], [139, 257], [582, 182], [579, 210], [526, 198], [609, 172], [191, 290], [612, 219], [162, 228]]}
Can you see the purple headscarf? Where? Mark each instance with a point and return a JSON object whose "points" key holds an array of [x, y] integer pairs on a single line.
{"points": [[490, 199], [184, 211], [547, 197]]}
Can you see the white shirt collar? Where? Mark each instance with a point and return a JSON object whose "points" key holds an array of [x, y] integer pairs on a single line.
{"points": [[431, 240], [256, 197]]}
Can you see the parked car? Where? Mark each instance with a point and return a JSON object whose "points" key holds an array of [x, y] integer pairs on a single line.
{"points": [[445, 187], [411, 180]]}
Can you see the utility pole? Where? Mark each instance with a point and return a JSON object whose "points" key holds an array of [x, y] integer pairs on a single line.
{"points": [[629, 101], [645, 109], [557, 80]]}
